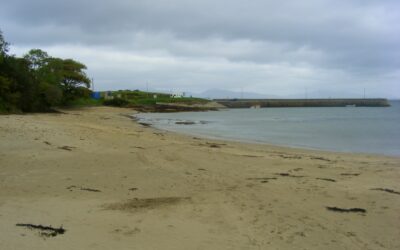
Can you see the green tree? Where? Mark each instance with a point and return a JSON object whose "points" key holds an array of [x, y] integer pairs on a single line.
{"points": [[52, 73], [9, 96], [23, 91], [52, 95], [71, 75], [37, 81], [47, 77], [37, 58], [3, 45]]}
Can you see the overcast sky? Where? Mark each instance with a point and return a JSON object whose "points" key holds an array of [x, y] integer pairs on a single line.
{"points": [[329, 48]]}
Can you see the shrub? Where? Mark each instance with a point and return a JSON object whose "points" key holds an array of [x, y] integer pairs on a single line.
{"points": [[117, 102]]}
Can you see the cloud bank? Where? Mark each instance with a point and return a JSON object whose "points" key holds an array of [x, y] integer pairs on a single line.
{"points": [[329, 48]]}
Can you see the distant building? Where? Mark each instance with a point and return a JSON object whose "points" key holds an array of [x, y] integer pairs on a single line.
{"points": [[178, 95], [96, 95], [108, 95]]}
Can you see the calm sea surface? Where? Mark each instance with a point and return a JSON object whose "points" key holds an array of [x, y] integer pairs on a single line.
{"points": [[347, 129]]}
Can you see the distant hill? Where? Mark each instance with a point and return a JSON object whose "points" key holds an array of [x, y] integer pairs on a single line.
{"points": [[311, 94], [327, 94], [219, 93]]}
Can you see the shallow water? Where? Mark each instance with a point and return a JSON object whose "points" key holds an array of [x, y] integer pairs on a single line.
{"points": [[343, 129]]}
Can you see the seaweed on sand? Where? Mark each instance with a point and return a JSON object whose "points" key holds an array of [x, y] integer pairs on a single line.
{"points": [[347, 210], [47, 231]]}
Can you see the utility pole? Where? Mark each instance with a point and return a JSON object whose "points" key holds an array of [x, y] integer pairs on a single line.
{"points": [[241, 93], [364, 93], [147, 89], [92, 84]]}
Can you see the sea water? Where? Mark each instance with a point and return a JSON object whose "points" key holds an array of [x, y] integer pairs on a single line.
{"points": [[342, 129]]}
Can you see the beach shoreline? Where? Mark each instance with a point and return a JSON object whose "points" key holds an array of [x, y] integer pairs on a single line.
{"points": [[111, 182], [264, 143], [339, 130]]}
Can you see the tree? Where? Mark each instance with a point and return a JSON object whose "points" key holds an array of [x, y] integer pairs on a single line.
{"points": [[9, 95], [52, 95], [52, 73], [72, 77], [22, 92], [3, 47], [7, 100], [3, 44], [37, 58], [73, 74], [37, 81]]}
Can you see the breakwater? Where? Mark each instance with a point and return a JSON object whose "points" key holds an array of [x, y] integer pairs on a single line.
{"points": [[280, 103]]}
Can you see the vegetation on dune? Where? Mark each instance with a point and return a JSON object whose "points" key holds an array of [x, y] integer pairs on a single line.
{"points": [[117, 102], [155, 102], [36, 82], [137, 97]]}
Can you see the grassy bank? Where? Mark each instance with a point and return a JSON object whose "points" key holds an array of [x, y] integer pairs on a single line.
{"points": [[138, 97], [140, 100], [154, 101]]}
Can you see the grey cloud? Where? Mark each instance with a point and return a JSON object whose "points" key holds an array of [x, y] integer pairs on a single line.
{"points": [[358, 37]]}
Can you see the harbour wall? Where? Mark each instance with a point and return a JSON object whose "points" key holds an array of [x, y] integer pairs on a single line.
{"points": [[281, 103]]}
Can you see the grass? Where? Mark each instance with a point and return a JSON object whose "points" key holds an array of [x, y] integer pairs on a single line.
{"points": [[137, 97]]}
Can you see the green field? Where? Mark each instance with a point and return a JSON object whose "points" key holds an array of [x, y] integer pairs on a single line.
{"points": [[137, 97]]}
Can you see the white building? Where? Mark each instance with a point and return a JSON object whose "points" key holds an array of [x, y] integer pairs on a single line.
{"points": [[178, 95]]}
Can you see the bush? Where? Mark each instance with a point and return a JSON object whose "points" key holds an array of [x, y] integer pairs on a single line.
{"points": [[117, 102], [52, 94], [83, 92]]}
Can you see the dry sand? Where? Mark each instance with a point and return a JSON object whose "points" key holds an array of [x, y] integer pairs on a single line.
{"points": [[115, 184]]}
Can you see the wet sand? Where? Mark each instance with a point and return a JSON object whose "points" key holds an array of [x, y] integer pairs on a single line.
{"points": [[112, 183]]}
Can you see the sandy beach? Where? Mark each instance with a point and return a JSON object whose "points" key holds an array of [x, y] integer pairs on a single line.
{"points": [[112, 183]]}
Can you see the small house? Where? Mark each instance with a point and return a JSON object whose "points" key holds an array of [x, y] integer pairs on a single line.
{"points": [[178, 95]]}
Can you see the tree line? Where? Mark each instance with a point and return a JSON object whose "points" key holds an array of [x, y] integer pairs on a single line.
{"points": [[37, 81]]}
